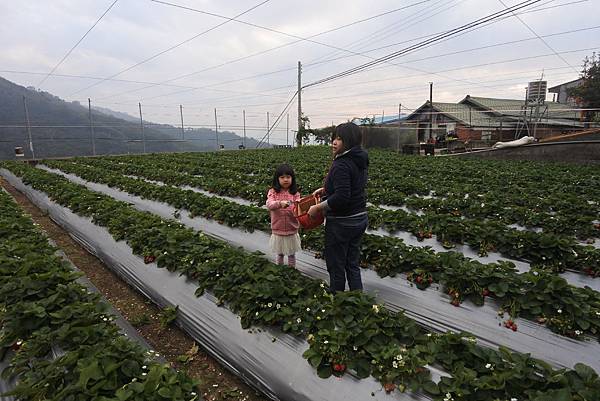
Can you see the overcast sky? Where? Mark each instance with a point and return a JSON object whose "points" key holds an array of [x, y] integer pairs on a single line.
{"points": [[118, 63]]}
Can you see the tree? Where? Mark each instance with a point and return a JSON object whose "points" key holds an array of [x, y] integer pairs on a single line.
{"points": [[588, 93], [303, 131], [322, 135]]}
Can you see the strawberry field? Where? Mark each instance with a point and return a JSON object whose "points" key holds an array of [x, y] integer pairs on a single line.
{"points": [[480, 276]]}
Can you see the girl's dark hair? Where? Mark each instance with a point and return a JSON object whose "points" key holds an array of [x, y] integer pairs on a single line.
{"points": [[350, 134], [284, 169]]}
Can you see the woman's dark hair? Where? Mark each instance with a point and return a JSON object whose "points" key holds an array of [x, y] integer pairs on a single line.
{"points": [[284, 169], [349, 133]]}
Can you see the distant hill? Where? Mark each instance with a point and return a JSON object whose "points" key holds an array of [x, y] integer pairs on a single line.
{"points": [[60, 128]]}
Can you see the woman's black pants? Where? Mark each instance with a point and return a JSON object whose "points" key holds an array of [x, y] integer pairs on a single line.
{"points": [[342, 251]]}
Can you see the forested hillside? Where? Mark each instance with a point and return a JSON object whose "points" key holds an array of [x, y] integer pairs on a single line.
{"points": [[60, 128]]}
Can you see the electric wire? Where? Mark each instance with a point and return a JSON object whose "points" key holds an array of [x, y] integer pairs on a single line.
{"points": [[76, 44], [171, 48], [279, 46], [412, 48], [540, 38]]}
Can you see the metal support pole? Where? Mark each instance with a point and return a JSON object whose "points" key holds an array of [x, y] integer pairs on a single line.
{"points": [[142, 128], [268, 129], [431, 109], [244, 114], [399, 125], [217, 130], [28, 128], [382, 116], [92, 127], [182, 130], [287, 131], [298, 139]]}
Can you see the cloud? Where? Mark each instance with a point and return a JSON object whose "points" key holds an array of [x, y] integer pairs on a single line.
{"points": [[35, 36]]}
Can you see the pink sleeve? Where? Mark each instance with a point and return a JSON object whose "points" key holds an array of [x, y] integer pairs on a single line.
{"points": [[272, 204]]}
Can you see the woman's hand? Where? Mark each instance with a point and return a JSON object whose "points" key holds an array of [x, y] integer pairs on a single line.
{"points": [[314, 211], [319, 191]]}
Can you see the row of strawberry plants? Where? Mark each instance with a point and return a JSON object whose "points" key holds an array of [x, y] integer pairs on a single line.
{"points": [[536, 295], [551, 206], [43, 308], [348, 331], [542, 250]]}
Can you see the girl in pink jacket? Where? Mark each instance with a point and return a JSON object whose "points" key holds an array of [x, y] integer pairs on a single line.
{"points": [[284, 226]]}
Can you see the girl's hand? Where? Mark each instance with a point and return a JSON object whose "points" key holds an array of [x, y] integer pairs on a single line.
{"points": [[284, 204]]}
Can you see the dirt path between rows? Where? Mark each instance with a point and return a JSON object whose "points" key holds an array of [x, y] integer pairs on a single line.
{"points": [[216, 383]]}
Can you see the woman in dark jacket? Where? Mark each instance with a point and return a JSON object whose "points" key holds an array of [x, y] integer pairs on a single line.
{"points": [[344, 207]]}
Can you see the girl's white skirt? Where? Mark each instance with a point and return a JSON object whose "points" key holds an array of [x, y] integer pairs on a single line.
{"points": [[285, 244]]}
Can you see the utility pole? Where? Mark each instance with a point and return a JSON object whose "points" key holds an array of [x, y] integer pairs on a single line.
{"points": [[142, 128], [244, 114], [287, 130], [298, 139], [399, 125], [430, 109], [28, 128], [182, 130], [268, 129], [92, 127], [217, 131]]}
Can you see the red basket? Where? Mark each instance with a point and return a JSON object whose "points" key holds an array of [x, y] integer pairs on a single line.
{"points": [[301, 212]]}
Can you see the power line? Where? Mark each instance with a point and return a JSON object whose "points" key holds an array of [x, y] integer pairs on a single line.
{"points": [[285, 44], [413, 18], [172, 47], [285, 109], [540, 38], [535, 9], [412, 48], [76, 44]]}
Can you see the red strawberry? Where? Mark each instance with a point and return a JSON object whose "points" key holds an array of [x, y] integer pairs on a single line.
{"points": [[455, 302], [419, 279], [149, 259], [17, 345], [389, 387], [430, 280], [514, 327], [339, 367], [485, 292]]}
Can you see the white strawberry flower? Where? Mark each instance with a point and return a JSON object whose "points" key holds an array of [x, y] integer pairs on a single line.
{"points": [[299, 320], [376, 308], [559, 311], [488, 365], [278, 306], [270, 304]]}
